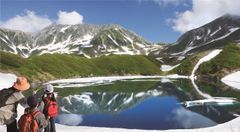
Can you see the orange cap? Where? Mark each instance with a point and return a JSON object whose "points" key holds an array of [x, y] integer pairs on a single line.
{"points": [[21, 84]]}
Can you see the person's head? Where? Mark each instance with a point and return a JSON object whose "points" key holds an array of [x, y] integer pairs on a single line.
{"points": [[48, 89], [21, 84], [32, 101]]}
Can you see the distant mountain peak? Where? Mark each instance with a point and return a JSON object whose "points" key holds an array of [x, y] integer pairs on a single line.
{"points": [[209, 36], [83, 39]]}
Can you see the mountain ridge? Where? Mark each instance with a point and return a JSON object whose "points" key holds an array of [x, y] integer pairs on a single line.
{"points": [[216, 29], [75, 39], [91, 40], [213, 35]]}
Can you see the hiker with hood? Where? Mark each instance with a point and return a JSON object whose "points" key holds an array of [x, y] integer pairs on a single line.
{"points": [[9, 100], [32, 120], [49, 107]]}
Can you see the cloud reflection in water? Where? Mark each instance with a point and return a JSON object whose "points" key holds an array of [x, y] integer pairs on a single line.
{"points": [[70, 119]]}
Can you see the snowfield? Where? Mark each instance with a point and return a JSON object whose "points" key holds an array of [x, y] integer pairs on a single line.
{"points": [[232, 80], [82, 82], [7, 80]]}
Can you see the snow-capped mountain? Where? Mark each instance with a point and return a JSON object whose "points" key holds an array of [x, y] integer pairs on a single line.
{"points": [[82, 39], [210, 36]]}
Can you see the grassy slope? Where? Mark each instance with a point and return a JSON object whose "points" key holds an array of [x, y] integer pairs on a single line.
{"points": [[53, 66], [227, 61], [186, 66]]}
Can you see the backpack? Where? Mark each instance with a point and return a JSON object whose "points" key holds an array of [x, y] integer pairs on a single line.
{"points": [[5, 94], [50, 108], [28, 122]]}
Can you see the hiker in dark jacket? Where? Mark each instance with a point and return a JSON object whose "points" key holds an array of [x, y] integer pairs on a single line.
{"points": [[47, 97], [32, 102], [10, 98]]}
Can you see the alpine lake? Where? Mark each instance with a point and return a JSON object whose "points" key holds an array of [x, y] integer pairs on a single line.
{"points": [[149, 104]]}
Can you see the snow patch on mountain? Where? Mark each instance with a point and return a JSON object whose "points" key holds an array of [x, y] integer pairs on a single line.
{"points": [[64, 28], [168, 67], [4, 40], [208, 57], [185, 51], [224, 36], [128, 38], [85, 40], [219, 28], [114, 41], [199, 37]]}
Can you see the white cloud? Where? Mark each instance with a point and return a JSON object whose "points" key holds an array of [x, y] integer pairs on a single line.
{"points": [[166, 2], [70, 18], [202, 12], [28, 22], [188, 119]]}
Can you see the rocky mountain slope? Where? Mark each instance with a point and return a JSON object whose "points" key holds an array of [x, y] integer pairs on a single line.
{"points": [[82, 39], [213, 35]]}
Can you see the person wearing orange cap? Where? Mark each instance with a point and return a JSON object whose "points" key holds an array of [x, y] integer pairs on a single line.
{"points": [[9, 100]]}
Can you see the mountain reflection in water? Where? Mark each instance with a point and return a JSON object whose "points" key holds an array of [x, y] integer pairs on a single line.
{"points": [[158, 107]]}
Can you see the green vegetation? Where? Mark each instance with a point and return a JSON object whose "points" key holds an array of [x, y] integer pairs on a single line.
{"points": [[186, 85], [217, 90], [56, 66], [64, 66], [125, 64], [186, 66], [117, 87], [227, 61]]}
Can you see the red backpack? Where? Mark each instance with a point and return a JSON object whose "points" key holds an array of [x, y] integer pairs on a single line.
{"points": [[28, 122], [50, 107]]}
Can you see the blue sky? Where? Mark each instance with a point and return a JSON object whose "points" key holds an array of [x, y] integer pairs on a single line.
{"points": [[155, 20]]}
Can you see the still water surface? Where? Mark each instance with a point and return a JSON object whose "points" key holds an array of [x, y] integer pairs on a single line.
{"points": [[142, 104]]}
